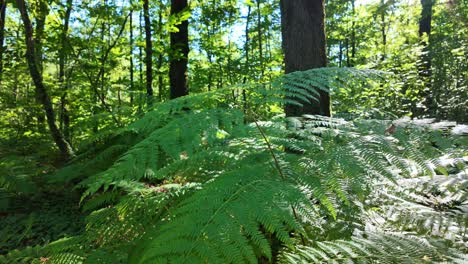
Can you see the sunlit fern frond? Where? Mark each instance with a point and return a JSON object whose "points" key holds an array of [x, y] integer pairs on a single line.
{"points": [[374, 247]]}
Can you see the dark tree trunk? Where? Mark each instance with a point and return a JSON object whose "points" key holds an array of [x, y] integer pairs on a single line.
{"points": [[65, 117], [353, 34], [260, 40], [340, 54], [425, 64], [246, 44], [426, 18], [149, 53], [160, 56], [247, 58], [179, 53], [44, 98], [303, 34], [132, 88], [383, 29], [348, 59], [41, 9], [3, 5], [140, 68]]}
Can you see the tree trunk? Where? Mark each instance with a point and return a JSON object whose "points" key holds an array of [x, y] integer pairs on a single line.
{"points": [[425, 64], [247, 58], [246, 44], [140, 68], [353, 34], [149, 53], [132, 88], [383, 30], [179, 53], [40, 9], [340, 54], [3, 5], [65, 117], [260, 40], [160, 56], [31, 57], [303, 35], [348, 59]]}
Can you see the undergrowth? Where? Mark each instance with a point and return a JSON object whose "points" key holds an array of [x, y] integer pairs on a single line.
{"points": [[224, 177]]}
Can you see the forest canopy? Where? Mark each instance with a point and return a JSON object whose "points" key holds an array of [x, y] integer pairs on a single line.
{"points": [[233, 131]]}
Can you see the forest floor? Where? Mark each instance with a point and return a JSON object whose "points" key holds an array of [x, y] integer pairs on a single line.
{"points": [[42, 212]]}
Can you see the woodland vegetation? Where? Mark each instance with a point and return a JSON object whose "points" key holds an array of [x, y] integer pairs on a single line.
{"points": [[226, 131]]}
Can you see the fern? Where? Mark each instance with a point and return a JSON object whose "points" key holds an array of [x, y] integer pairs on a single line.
{"points": [[378, 247], [201, 179]]}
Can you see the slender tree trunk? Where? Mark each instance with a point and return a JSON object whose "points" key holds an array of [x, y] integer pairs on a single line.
{"points": [[102, 77], [353, 33], [65, 117], [303, 34], [41, 9], [210, 61], [425, 64], [220, 77], [348, 59], [340, 54], [268, 40], [149, 53], [160, 56], [179, 53], [247, 57], [246, 44], [3, 5], [132, 88], [260, 40], [230, 74], [31, 57], [140, 68], [383, 30], [209, 54]]}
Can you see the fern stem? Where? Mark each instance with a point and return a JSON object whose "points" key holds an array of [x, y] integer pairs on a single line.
{"points": [[270, 149], [278, 167]]}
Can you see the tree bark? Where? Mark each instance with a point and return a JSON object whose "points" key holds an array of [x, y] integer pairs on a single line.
{"points": [[179, 53], [160, 56], [303, 35], [41, 9], [65, 117], [340, 54], [140, 68], [44, 98], [383, 30], [426, 18], [3, 5], [149, 53], [353, 33], [132, 88], [425, 64], [260, 40], [247, 58], [247, 44]]}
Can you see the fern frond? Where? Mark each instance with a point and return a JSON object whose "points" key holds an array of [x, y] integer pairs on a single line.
{"points": [[373, 248], [233, 210]]}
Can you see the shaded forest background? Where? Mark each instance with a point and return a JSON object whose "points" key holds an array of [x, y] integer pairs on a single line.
{"points": [[93, 57]]}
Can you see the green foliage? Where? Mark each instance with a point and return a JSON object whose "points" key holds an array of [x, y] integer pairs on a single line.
{"points": [[201, 179], [378, 247], [222, 176], [38, 220]]}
